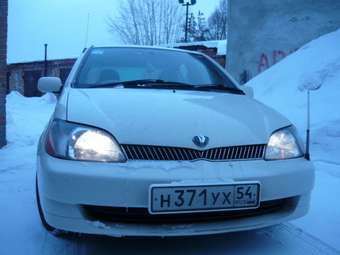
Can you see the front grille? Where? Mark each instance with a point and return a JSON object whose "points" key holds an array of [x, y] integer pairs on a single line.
{"points": [[151, 152], [142, 216]]}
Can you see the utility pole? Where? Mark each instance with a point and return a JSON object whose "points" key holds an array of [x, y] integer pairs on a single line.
{"points": [[45, 60], [186, 22], [186, 3]]}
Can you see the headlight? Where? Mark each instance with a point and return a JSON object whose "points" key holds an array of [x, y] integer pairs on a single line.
{"points": [[79, 142], [284, 144]]}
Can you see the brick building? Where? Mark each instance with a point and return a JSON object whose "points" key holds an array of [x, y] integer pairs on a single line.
{"points": [[214, 49], [23, 77], [3, 57]]}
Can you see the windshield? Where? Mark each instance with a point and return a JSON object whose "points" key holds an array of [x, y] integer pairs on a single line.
{"points": [[115, 65]]}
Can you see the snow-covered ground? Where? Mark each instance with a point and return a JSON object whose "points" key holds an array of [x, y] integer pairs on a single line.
{"points": [[282, 87]]}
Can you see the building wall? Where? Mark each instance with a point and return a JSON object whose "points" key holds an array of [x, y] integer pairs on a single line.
{"points": [[3, 57], [16, 81], [17, 73], [263, 32], [209, 51]]}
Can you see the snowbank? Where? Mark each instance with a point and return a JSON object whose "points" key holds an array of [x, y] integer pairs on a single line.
{"points": [[284, 85], [27, 116], [26, 119]]}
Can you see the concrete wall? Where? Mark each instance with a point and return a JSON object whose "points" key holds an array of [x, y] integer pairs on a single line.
{"points": [[263, 32], [3, 57]]}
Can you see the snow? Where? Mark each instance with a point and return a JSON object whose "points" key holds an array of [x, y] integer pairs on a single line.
{"points": [[323, 219], [282, 87], [316, 66]]}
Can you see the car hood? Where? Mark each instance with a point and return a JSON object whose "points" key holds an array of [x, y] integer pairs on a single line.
{"points": [[173, 118]]}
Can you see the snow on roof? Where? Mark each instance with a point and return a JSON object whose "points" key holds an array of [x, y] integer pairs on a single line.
{"points": [[221, 45]]}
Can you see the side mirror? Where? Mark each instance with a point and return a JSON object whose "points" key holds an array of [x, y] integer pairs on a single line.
{"points": [[249, 91], [49, 84]]}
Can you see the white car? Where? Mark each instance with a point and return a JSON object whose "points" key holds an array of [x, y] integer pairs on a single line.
{"points": [[163, 142]]}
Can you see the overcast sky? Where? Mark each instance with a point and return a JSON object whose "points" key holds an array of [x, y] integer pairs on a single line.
{"points": [[62, 24]]}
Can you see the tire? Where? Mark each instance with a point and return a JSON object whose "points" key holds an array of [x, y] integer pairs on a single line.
{"points": [[48, 227]]}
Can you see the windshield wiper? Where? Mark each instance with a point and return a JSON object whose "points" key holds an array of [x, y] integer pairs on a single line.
{"points": [[214, 87], [162, 84], [146, 83]]}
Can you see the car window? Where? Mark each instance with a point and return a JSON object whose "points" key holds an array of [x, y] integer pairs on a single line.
{"points": [[105, 65]]}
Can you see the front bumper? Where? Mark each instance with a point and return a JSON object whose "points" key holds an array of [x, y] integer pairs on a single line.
{"points": [[64, 186]]}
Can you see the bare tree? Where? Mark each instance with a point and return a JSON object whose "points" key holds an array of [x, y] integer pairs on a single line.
{"points": [[147, 22], [218, 21]]}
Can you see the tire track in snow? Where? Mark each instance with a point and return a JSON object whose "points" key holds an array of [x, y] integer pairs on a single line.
{"points": [[287, 234], [60, 245], [326, 162], [333, 168], [280, 239]]}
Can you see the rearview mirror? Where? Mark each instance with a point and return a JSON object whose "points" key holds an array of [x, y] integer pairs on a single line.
{"points": [[49, 84], [249, 91]]}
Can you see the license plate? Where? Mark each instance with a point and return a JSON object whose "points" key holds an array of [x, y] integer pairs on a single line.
{"points": [[203, 198]]}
